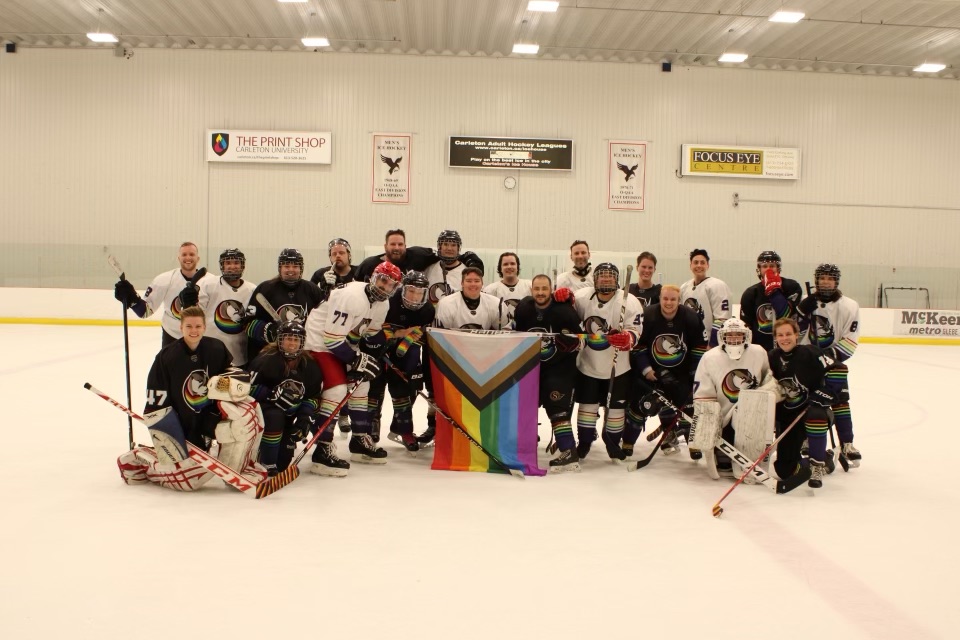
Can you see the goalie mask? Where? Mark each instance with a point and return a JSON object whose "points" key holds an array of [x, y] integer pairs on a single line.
{"points": [[414, 290], [734, 337], [766, 260], [606, 277], [829, 270], [233, 273], [291, 337], [384, 282]]}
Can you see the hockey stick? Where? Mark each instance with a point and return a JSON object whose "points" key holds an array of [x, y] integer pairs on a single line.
{"points": [[640, 464], [198, 455], [718, 510], [514, 472], [616, 352], [126, 340], [292, 472], [269, 308], [842, 457]]}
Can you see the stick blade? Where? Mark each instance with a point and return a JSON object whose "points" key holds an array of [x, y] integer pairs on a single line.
{"points": [[516, 473], [277, 482]]}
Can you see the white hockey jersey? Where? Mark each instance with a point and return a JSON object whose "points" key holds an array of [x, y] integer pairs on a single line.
{"points": [[573, 281], [603, 317], [163, 294], [721, 378], [225, 307], [443, 281], [509, 295], [711, 300], [345, 318], [453, 313], [837, 324]]}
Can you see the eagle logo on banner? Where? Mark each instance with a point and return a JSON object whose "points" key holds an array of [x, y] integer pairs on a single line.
{"points": [[390, 162], [220, 143]]}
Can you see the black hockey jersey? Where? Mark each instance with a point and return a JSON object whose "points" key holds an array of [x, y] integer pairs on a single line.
{"points": [[759, 312], [557, 317], [676, 344], [302, 375], [646, 297], [291, 303]]}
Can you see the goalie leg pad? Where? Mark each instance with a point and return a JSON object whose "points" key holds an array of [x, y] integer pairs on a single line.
{"points": [[753, 422], [133, 470], [705, 433], [167, 435], [239, 433]]}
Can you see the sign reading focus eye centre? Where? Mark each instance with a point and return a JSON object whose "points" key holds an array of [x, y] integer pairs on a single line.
{"points": [[300, 147], [477, 152], [740, 162]]}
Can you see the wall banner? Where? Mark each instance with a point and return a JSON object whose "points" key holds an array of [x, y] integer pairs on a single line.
{"points": [[926, 323], [478, 152], [294, 147], [740, 162], [391, 168], [626, 175]]}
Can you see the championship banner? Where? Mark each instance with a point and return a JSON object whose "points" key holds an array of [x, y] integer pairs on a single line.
{"points": [[275, 147], [391, 168], [490, 385], [740, 162], [626, 175]]}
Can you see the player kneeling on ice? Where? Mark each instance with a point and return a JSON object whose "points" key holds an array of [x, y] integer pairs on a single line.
{"points": [[733, 398], [193, 394], [811, 380]]}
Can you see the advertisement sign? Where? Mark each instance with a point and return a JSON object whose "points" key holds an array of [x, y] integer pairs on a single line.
{"points": [[926, 323], [478, 152], [626, 175], [391, 168], [299, 147], [740, 162]]}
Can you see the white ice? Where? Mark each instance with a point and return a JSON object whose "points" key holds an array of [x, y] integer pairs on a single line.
{"points": [[400, 551]]}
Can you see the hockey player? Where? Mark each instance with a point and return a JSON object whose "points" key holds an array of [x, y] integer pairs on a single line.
{"points": [[772, 298], [726, 370], [832, 322], [558, 364], [353, 315], [709, 297], [808, 380], [644, 290], [292, 297], [407, 258], [511, 289], [225, 300], [340, 271], [445, 276], [581, 275], [670, 349], [472, 309], [601, 309], [170, 291], [287, 383], [185, 404]]}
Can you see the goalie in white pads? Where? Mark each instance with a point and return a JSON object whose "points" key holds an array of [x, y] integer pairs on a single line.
{"points": [[193, 394], [724, 375]]}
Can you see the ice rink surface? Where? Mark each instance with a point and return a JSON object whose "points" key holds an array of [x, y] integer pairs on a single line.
{"points": [[400, 551]]}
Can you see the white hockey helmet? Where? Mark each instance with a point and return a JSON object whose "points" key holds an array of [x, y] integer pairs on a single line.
{"points": [[734, 337]]}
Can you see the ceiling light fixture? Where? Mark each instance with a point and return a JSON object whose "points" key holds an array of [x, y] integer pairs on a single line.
{"points": [[292, 1], [315, 42], [930, 67], [528, 49], [732, 57], [99, 36], [790, 17], [542, 5]]}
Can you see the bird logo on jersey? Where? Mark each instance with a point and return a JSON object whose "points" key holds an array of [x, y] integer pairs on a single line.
{"points": [[220, 143], [668, 350], [175, 308], [548, 346], [195, 390], [824, 331], [228, 317], [439, 290], [390, 162], [694, 305], [794, 393], [765, 317], [737, 380], [291, 313], [470, 326], [628, 172], [595, 324]]}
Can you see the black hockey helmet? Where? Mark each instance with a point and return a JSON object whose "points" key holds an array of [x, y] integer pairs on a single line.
{"points": [[415, 288], [826, 269], [768, 257], [602, 269], [449, 235], [295, 329], [232, 254], [340, 241], [290, 256]]}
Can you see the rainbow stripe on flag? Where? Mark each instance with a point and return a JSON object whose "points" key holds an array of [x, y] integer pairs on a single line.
{"points": [[489, 384]]}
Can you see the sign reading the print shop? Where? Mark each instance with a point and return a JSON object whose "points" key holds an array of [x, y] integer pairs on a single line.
{"points": [[300, 147], [740, 162], [510, 153], [929, 324]]}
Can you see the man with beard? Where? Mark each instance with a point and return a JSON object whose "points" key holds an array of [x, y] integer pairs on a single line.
{"points": [[407, 258], [340, 271], [772, 298], [581, 275], [510, 289], [225, 301]]}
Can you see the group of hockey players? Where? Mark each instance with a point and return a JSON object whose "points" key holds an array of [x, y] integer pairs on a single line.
{"points": [[251, 371]]}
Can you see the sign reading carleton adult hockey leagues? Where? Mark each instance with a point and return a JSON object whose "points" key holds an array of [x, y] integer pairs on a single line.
{"points": [[477, 152], [740, 162], [626, 175], [299, 147], [391, 168]]}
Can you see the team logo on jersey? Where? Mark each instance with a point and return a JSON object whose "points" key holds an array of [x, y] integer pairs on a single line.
{"points": [[295, 388], [548, 347], [824, 331], [794, 393], [220, 143], [737, 380], [195, 390], [228, 317], [556, 396], [694, 305], [765, 317], [668, 349], [291, 313], [175, 308], [595, 324], [439, 290], [356, 334], [471, 325]]}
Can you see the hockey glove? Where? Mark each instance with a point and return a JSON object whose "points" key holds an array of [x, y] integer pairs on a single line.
{"points": [[823, 398], [330, 278], [284, 398], [270, 332], [303, 426], [563, 294], [650, 405], [190, 296], [622, 341], [124, 292], [363, 368], [771, 282]]}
